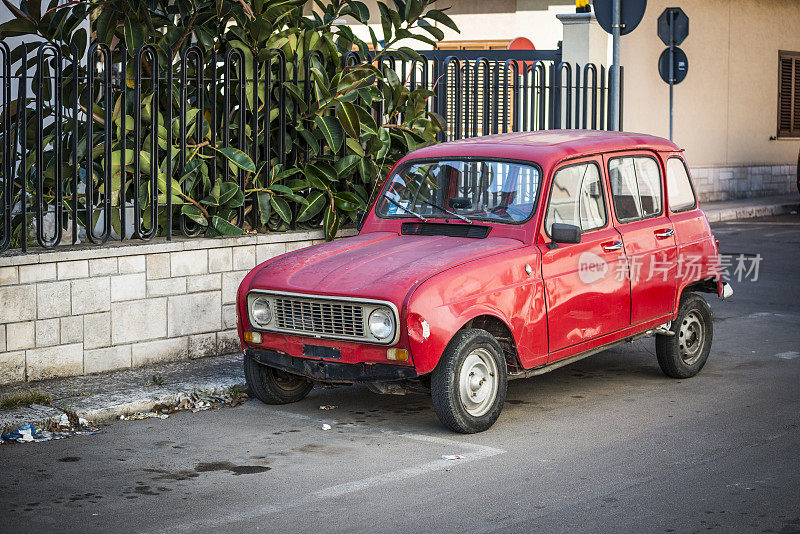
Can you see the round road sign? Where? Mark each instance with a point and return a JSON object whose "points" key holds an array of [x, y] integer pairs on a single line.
{"points": [[631, 13], [680, 65]]}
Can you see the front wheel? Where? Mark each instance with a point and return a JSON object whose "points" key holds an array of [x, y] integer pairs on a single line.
{"points": [[468, 386], [273, 386], [684, 353]]}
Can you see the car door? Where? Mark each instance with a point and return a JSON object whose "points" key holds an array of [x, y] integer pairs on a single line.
{"points": [[637, 185], [586, 291]]}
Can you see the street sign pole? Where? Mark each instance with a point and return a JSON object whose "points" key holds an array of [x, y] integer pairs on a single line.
{"points": [[615, 27], [617, 17], [672, 29], [671, 70]]}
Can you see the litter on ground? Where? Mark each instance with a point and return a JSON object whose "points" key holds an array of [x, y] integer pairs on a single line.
{"points": [[326, 426], [328, 407], [138, 416], [198, 400], [452, 457], [29, 433]]}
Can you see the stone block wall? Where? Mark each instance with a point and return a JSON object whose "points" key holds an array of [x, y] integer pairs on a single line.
{"points": [[91, 309], [746, 181]]}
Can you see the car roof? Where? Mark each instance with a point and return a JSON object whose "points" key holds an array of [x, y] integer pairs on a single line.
{"points": [[545, 147]]}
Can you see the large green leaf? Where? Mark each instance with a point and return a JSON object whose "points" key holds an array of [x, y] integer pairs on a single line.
{"points": [[348, 117], [437, 33], [442, 19], [316, 201], [194, 213], [134, 33], [331, 130], [386, 21], [237, 157], [281, 207], [264, 206], [321, 171], [227, 190], [224, 227], [347, 165], [392, 78], [360, 10]]}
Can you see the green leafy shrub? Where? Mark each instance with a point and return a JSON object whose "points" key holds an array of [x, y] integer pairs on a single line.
{"points": [[307, 152]]}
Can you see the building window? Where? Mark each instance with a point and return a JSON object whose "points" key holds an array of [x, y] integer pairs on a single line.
{"points": [[788, 94]]}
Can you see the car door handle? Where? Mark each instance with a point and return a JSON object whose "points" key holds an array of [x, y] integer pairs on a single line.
{"points": [[612, 246], [661, 234]]}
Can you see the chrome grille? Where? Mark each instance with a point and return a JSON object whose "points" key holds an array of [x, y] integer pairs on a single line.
{"points": [[319, 317]]}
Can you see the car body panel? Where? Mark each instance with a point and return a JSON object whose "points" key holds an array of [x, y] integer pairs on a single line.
{"points": [[498, 286], [377, 265]]}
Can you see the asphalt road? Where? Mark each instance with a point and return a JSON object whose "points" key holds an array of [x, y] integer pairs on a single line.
{"points": [[607, 444]]}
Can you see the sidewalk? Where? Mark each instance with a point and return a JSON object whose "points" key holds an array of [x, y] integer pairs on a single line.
{"points": [[101, 397], [747, 208]]}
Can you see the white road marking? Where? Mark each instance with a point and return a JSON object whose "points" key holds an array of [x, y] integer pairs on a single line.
{"points": [[474, 452], [754, 223], [782, 232]]}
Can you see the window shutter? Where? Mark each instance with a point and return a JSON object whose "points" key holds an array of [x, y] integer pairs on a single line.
{"points": [[796, 98], [789, 94]]}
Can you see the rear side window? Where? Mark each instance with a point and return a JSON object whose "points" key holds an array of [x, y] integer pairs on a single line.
{"points": [[636, 187], [679, 187], [577, 198]]}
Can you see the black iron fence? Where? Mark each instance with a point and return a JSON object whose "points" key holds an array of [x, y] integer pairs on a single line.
{"points": [[112, 146]]}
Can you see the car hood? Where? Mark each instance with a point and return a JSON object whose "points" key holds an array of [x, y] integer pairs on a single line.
{"points": [[377, 265]]}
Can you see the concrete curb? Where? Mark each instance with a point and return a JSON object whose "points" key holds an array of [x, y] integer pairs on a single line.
{"points": [[101, 398], [749, 212]]}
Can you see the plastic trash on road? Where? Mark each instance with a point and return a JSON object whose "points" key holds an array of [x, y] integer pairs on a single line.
{"points": [[328, 407], [326, 426], [452, 457], [138, 416], [29, 433]]}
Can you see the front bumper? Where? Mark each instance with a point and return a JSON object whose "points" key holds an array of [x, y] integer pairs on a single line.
{"points": [[326, 371]]}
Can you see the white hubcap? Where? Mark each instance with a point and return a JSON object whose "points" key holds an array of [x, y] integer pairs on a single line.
{"points": [[477, 382]]}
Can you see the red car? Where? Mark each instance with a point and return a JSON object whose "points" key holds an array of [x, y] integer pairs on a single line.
{"points": [[489, 259]]}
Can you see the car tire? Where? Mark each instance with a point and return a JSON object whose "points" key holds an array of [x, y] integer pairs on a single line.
{"points": [[273, 386], [683, 354], [468, 386]]}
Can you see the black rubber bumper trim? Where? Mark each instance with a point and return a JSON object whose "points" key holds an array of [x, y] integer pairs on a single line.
{"points": [[332, 371]]}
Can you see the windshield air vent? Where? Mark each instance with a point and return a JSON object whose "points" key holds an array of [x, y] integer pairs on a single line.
{"points": [[450, 230]]}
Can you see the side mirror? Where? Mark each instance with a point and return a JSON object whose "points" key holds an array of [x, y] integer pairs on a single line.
{"points": [[565, 233], [460, 203], [360, 218]]}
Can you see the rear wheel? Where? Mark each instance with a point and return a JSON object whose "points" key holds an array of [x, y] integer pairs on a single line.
{"points": [[273, 386], [683, 354], [468, 386]]}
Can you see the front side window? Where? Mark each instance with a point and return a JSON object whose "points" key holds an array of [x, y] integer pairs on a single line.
{"points": [[493, 191], [679, 188], [576, 198], [635, 187]]}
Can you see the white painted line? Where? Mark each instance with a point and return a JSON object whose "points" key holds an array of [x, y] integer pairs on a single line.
{"points": [[782, 232], [474, 452], [754, 223]]}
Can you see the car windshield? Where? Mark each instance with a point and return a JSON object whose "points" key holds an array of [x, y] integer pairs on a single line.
{"points": [[484, 190]]}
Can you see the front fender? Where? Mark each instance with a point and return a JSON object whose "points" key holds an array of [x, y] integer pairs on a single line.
{"points": [[499, 286]]}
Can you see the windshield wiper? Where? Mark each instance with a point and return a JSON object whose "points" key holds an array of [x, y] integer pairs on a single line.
{"points": [[454, 214], [414, 213]]}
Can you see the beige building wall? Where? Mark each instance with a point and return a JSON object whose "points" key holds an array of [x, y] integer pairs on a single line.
{"points": [[726, 108]]}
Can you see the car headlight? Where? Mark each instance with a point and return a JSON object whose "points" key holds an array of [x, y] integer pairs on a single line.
{"points": [[381, 323], [261, 311]]}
